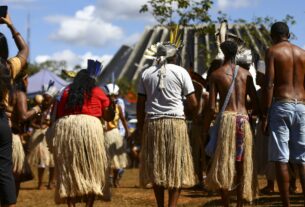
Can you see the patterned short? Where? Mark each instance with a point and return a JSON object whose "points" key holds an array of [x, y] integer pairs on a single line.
{"points": [[240, 135]]}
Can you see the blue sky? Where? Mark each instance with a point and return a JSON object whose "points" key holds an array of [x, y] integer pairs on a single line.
{"points": [[74, 30]]}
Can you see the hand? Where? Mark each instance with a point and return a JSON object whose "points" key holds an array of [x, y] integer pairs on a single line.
{"points": [[37, 109], [7, 20], [127, 134]]}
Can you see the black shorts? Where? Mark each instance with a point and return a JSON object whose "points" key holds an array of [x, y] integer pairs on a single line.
{"points": [[7, 182]]}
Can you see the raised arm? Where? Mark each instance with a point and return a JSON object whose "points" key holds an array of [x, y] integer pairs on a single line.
{"points": [[23, 50]]}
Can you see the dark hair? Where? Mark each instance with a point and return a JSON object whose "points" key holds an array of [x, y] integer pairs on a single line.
{"points": [[5, 84], [280, 29], [3, 47], [229, 49], [80, 89], [19, 81]]}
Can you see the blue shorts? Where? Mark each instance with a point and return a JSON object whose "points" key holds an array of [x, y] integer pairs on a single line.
{"points": [[287, 132]]}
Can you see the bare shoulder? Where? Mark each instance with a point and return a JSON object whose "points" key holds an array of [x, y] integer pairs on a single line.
{"points": [[298, 50], [216, 74], [244, 72]]}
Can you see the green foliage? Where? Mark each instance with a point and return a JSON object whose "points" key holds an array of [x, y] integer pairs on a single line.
{"points": [[184, 11], [32, 69], [52, 65], [268, 21]]}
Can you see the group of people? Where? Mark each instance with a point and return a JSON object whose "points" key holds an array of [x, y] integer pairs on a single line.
{"points": [[75, 131], [166, 90]]}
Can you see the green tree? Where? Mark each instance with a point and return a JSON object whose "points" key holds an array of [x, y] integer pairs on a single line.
{"points": [[185, 11], [53, 65]]}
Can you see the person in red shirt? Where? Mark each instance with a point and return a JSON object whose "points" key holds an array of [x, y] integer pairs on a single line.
{"points": [[79, 150]]}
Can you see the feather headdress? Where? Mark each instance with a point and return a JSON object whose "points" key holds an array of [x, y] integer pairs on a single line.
{"points": [[94, 68], [164, 50]]}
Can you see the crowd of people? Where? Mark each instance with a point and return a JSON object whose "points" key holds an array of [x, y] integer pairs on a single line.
{"points": [[79, 132]]}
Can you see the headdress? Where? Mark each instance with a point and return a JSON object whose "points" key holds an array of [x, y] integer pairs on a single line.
{"points": [[51, 91], [112, 89], [94, 68], [244, 55], [161, 51]]}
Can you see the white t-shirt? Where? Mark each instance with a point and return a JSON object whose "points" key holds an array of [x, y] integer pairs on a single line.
{"points": [[166, 102]]}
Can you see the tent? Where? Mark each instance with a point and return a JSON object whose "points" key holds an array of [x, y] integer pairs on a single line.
{"points": [[41, 79]]}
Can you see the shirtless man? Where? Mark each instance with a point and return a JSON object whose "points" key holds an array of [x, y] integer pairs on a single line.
{"points": [[285, 103], [234, 129]]}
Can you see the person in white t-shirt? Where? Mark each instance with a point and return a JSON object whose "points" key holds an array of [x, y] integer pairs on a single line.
{"points": [[166, 160]]}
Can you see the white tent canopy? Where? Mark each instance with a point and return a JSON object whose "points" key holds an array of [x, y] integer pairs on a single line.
{"points": [[41, 79]]}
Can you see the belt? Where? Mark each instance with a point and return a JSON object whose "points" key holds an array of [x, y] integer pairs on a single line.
{"points": [[289, 100]]}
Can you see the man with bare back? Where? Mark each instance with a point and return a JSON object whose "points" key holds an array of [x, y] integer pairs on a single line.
{"points": [[232, 164], [285, 106]]}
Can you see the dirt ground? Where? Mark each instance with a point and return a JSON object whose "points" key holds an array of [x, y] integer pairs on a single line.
{"points": [[130, 195]]}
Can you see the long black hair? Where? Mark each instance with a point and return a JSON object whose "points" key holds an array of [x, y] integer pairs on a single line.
{"points": [[5, 84], [80, 89], [3, 47]]}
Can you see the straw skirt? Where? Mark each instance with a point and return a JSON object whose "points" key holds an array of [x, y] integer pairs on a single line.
{"points": [[21, 168], [80, 157], [39, 152], [222, 173], [166, 158], [18, 156], [116, 150]]}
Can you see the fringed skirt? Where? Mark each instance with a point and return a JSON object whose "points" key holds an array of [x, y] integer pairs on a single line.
{"points": [[21, 168], [166, 158], [18, 156], [39, 154], [80, 158], [116, 150], [222, 174]]}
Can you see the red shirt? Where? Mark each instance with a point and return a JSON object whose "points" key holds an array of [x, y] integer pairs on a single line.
{"points": [[93, 106]]}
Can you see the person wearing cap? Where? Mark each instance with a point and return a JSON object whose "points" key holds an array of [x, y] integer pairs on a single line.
{"points": [[166, 158], [284, 107], [39, 153], [113, 140], [20, 115], [79, 150]]}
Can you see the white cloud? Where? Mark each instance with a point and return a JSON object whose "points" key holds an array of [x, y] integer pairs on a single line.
{"points": [[85, 29], [121, 9], [236, 4], [73, 59], [132, 39]]}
